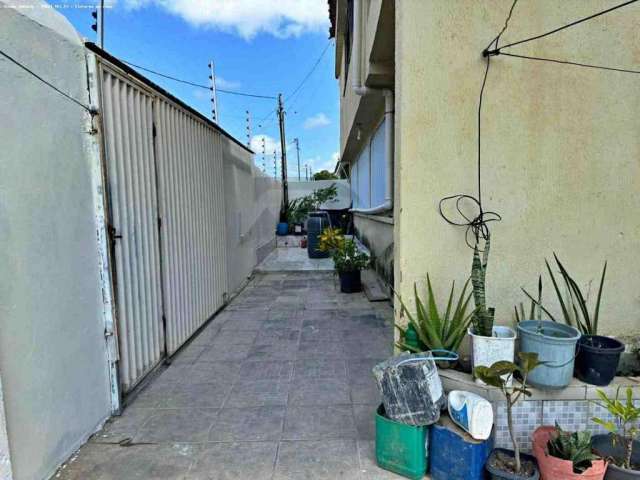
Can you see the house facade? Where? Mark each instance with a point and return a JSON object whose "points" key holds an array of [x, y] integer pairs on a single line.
{"points": [[559, 144]]}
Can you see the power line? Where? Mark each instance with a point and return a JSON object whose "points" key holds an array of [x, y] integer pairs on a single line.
{"points": [[567, 62], [46, 82], [175, 79], [306, 77]]}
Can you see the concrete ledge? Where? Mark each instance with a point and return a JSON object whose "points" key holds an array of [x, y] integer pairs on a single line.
{"points": [[374, 218], [577, 390]]}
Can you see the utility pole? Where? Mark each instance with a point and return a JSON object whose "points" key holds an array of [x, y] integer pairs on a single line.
{"points": [[264, 163], [98, 24], [306, 171], [215, 114], [297, 142], [283, 153], [248, 129]]}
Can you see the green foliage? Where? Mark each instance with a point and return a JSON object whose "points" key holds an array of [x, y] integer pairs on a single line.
{"points": [[482, 316], [535, 312], [298, 209], [625, 426], [436, 330], [575, 447], [498, 375], [330, 239], [348, 258], [324, 175], [574, 306]]}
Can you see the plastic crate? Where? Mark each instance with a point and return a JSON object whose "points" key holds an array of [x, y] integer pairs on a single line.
{"points": [[401, 448]]}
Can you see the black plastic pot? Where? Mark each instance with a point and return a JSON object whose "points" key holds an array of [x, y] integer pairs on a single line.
{"points": [[603, 446], [597, 359], [350, 282], [500, 474]]}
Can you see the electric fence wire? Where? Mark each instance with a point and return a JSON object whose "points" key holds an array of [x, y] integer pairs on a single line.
{"points": [[46, 82], [478, 225], [193, 84]]}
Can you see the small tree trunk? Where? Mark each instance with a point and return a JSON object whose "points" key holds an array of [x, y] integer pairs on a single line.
{"points": [[628, 449], [516, 449]]}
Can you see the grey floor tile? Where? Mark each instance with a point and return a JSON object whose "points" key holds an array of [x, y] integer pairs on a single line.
{"points": [[320, 368], [319, 422], [365, 420], [319, 391], [282, 350], [364, 391], [124, 426], [323, 350], [271, 336], [147, 462], [152, 395], [188, 355], [235, 337], [177, 425], [240, 324], [173, 374], [196, 395], [317, 460], [234, 461], [266, 370], [258, 393], [359, 368], [225, 352], [290, 322], [222, 372], [248, 424]]}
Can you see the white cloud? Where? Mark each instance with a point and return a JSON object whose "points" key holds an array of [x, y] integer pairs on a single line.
{"points": [[247, 18], [226, 84], [318, 120], [270, 144], [318, 163]]}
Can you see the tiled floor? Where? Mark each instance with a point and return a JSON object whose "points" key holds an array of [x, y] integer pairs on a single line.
{"points": [[278, 386], [294, 259]]}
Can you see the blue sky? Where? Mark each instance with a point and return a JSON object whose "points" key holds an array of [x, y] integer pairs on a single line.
{"points": [[263, 47]]}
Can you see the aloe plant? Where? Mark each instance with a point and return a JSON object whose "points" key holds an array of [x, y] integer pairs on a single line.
{"points": [[574, 307], [625, 427], [435, 330], [499, 375], [573, 446], [482, 316]]}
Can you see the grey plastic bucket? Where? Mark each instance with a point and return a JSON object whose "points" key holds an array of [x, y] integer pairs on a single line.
{"points": [[556, 346]]}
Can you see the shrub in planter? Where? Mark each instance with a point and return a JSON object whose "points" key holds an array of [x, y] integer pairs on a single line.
{"points": [[489, 343], [566, 455], [597, 356], [348, 260], [437, 329], [620, 446], [502, 463]]}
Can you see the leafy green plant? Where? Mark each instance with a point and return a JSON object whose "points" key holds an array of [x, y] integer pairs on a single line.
{"points": [[435, 330], [330, 239], [482, 316], [573, 446], [348, 258], [499, 375], [297, 210], [574, 306], [625, 428]]}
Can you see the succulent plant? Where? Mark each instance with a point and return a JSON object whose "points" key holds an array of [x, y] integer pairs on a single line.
{"points": [[482, 316]]}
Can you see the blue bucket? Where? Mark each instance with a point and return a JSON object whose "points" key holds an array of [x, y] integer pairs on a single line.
{"points": [[555, 345]]}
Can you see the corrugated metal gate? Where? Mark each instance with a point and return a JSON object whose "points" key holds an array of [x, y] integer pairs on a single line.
{"points": [[165, 174], [128, 125]]}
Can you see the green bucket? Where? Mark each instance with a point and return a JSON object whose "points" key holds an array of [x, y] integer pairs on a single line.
{"points": [[401, 448]]}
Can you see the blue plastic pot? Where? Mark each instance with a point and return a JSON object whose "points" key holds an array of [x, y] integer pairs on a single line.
{"points": [[555, 344], [282, 229]]}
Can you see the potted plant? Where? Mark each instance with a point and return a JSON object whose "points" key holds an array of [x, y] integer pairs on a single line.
{"points": [[489, 343], [620, 446], [348, 261], [597, 356], [503, 463], [566, 455], [436, 330]]}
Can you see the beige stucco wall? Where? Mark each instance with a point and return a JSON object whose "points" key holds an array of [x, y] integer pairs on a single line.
{"points": [[561, 147]]}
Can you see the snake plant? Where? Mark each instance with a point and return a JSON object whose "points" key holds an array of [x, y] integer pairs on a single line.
{"points": [[482, 316], [436, 330], [573, 446]]}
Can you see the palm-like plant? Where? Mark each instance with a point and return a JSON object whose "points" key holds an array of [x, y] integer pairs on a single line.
{"points": [[574, 307], [435, 330]]}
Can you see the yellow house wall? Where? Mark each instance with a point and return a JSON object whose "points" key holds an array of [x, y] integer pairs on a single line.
{"points": [[561, 148]]}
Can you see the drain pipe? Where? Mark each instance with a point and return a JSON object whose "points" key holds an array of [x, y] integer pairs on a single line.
{"points": [[389, 105]]}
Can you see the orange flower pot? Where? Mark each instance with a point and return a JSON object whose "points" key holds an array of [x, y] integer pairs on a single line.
{"points": [[552, 468]]}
